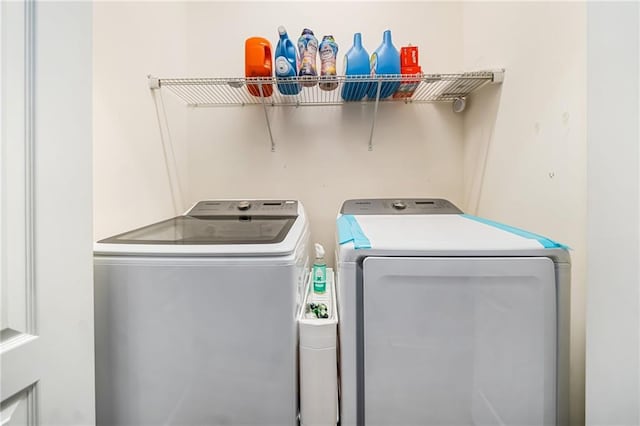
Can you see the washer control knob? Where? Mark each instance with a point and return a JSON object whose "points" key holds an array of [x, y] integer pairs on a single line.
{"points": [[399, 205], [244, 205]]}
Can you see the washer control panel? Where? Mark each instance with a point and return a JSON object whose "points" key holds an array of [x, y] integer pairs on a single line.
{"points": [[399, 206], [287, 208]]}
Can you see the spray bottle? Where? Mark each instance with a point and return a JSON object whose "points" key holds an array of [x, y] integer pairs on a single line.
{"points": [[319, 271]]}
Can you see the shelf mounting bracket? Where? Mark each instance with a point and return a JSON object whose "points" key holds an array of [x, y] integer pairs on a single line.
{"points": [[266, 117], [154, 82], [498, 76], [459, 104], [375, 114]]}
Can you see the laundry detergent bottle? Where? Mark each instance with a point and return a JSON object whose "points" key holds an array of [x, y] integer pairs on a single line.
{"points": [[308, 48], [356, 65], [408, 66], [257, 63], [286, 64], [385, 60], [328, 54]]}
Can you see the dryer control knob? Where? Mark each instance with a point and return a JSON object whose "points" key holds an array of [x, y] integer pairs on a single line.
{"points": [[399, 205], [244, 205]]}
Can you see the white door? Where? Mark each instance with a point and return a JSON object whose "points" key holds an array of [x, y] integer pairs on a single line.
{"points": [[459, 341], [46, 298]]}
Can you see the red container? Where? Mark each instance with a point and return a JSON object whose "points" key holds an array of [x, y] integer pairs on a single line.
{"points": [[257, 63], [408, 65], [409, 57]]}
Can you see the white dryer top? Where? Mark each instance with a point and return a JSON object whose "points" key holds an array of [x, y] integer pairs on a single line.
{"points": [[436, 235], [217, 228]]}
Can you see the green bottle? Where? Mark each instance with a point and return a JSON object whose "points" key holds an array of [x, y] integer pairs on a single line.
{"points": [[319, 271]]}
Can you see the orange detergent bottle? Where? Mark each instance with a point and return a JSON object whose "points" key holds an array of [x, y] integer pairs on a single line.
{"points": [[408, 65], [257, 63]]}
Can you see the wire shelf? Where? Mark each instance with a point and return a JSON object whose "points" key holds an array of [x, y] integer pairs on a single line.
{"points": [[241, 91], [334, 90]]}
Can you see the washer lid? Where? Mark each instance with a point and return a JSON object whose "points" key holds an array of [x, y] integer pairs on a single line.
{"points": [[216, 228], [194, 230], [440, 235]]}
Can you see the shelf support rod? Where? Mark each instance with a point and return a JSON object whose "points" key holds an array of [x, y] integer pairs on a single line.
{"points": [[266, 117], [375, 114]]}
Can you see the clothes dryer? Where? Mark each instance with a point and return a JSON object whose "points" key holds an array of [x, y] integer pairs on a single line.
{"points": [[196, 316], [449, 319]]}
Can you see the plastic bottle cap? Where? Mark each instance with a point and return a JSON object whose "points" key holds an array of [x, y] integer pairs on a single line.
{"points": [[282, 30]]}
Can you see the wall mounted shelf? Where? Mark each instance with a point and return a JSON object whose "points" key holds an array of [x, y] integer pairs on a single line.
{"points": [[227, 92]]}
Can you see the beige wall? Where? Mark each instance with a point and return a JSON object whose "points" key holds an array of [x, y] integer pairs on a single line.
{"points": [[321, 155], [131, 182], [531, 135]]}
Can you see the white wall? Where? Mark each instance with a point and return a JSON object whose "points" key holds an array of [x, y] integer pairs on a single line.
{"points": [[613, 305], [531, 135], [321, 155], [131, 183]]}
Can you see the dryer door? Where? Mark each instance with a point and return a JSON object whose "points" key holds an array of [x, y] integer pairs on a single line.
{"points": [[458, 341]]}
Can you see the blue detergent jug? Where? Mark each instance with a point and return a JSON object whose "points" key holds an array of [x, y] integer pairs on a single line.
{"points": [[286, 64], [385, 60], [356, 63]]}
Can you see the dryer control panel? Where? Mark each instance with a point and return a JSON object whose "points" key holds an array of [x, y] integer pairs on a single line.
{"points": [[399, 206], [286, 208]]}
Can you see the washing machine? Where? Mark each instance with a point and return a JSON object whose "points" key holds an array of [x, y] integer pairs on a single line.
{"points": [[195, 317], [448, 318]]}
